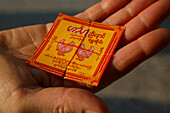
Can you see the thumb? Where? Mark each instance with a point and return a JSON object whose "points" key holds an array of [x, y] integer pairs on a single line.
{"points": [[64, 100]]}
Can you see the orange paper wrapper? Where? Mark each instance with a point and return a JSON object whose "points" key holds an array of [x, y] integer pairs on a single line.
{"points": [[78, 48]]}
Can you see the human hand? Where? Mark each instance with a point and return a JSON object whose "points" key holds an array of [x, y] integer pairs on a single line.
{"points": [[26, 89]]}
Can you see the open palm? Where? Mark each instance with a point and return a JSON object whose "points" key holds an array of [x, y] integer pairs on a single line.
{"points": [[24, 89]]}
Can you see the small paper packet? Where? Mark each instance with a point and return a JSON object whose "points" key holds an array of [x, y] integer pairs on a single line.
{"points": [[77, 49]]}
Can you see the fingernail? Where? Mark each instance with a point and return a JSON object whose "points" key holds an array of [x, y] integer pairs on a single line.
{"points": [[89, 111]]}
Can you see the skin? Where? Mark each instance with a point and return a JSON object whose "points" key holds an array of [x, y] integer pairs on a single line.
{"points": [[24, 89]]}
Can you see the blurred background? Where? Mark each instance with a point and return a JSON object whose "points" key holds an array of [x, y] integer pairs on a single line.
{"points": [[144, 90]]}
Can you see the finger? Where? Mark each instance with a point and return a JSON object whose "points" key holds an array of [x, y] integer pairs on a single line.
{"points": [[130, 56], [128, 12], [62, 100], [141, 49], [103, 9], [24, 39], [147, 20]]}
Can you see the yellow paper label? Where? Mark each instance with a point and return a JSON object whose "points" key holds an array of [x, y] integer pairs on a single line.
{"points": [[78, 48]]}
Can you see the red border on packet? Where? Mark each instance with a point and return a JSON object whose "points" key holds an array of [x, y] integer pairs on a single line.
{"points": [[96, 76]]}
